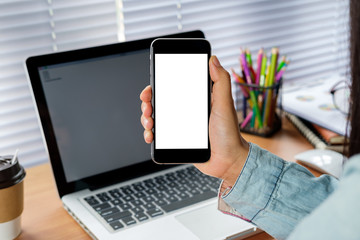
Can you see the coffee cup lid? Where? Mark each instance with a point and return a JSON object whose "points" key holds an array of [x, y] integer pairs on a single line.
{"points": [[11, 172]]}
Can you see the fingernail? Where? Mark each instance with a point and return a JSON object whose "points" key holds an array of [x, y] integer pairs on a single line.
{"points": [[216, 61]]}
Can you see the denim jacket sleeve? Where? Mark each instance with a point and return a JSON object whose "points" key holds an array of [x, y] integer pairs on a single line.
{"points": [[274, 194], [338, 217]]}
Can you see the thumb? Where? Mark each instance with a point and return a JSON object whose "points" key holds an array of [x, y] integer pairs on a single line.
{"points": [[222, 83]]}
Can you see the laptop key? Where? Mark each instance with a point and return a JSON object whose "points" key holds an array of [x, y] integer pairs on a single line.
{"points": [[136, 203], [159, 195], [148, 199], [161, 188], [129, 220], [172, 199], [160, 202], [125, 206], [101, 206], [116, 194], [139, 194], [91, 201], [138, 187], [127, 190], [117, 216], [151, 191], [183, 195], [155, 212], [137, 210], [170, 192], [149, 206], [128, 198], [109, 211], [141, 217], [187, 201], [116, 202], [116, 225], [103, 197], [195, 191]]}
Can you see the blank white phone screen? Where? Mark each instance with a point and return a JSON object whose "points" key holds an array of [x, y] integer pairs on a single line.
{"points": [[181, 101]]}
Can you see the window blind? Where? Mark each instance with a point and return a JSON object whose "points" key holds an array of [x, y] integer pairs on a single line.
{"points": [[312, 34], [30, 28]]}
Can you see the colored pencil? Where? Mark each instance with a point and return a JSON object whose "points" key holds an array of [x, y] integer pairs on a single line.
{"points": [[249, 63], [280, 74], [259, 62], [274, 53], [263, 70], [239, 79], [252, 122], [252, 93], [246, 120], [244, 107], [282, 63]]}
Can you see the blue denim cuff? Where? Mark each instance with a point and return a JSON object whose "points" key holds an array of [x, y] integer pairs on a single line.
{"points": [[256, 183]]}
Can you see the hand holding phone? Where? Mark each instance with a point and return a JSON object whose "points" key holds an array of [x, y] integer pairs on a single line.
{"points": [[228, 149], [181, 92]]}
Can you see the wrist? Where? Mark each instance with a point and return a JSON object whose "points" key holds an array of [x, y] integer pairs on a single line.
{"points": [[232, 174]]}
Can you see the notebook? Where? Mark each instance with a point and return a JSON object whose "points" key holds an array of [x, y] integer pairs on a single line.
{"points": [[309, 131], [89, 110]]}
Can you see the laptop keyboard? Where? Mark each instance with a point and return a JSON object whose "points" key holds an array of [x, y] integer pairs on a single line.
{"points": [[141, 201]]}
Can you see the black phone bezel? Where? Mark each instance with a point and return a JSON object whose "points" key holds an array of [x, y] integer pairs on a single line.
{"points": [[179, 46]]}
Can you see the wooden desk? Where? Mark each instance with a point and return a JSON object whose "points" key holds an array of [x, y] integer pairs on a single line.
{"points": [[45, 218]]}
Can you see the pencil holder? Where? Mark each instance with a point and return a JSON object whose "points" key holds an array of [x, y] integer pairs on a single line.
{"points": [[259, 114], [260, 89]]}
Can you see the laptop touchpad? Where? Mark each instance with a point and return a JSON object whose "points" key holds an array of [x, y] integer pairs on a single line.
{"points": [[208, 223]]}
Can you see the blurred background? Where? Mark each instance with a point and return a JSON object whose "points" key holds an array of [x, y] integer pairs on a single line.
{"points": [[312, 34]]}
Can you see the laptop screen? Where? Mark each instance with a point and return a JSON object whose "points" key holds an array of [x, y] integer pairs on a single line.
{"points": [[95, 111]]}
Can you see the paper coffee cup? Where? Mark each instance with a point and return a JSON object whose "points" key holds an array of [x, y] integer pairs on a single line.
{"points": [[11, 197]]}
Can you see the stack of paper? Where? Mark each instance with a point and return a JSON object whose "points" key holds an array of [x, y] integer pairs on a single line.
{"points": [[313, 102]]}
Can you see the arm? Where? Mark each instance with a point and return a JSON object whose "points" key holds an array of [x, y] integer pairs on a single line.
{"points": [[274, 194], [338, 216]]}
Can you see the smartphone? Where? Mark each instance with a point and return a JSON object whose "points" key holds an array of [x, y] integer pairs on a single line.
{"points": [[181, 93]]}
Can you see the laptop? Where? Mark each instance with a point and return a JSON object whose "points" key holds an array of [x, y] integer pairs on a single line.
{"points": [[89, 109]]}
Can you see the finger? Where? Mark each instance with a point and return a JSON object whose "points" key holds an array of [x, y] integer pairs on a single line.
{"points": [[147, 123], [148, 136], [145, 95], [146, 108], [221, 79]]}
